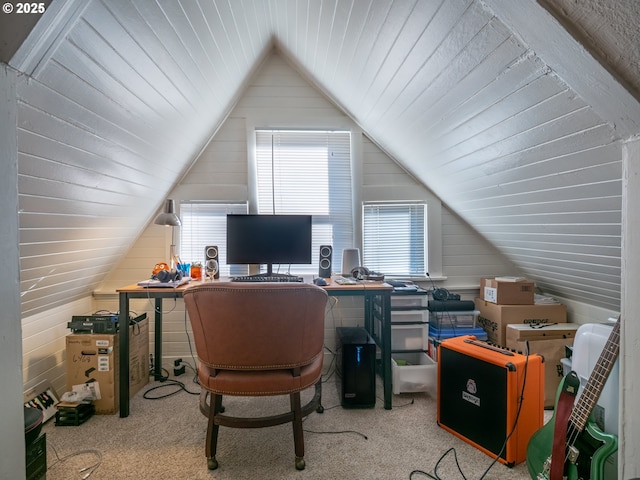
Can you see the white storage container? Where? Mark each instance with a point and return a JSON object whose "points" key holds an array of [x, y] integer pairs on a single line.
{"points": [[467, 318], [413, 372], [590, 340], [409, 316], [409, 337], [409, 301]]}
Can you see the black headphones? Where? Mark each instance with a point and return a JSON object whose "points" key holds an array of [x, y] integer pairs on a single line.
{"points": [[363, 273], [166, 276], [442, 294]]}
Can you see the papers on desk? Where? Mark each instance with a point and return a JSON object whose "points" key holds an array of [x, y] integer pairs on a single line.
{"points": [[345, 281], [158, 284]]}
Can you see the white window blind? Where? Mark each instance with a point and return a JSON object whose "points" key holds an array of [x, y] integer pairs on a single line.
{"points": [[394, 238], [308, 172], [205, 224]]}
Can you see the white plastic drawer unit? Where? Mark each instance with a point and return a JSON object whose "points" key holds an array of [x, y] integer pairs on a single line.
{"points": [[409, 337], [409, 316], [409, 301], [468, 318], [413, 372]]}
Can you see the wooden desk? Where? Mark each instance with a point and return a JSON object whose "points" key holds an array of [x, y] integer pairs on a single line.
{"points": [[377, 306]]}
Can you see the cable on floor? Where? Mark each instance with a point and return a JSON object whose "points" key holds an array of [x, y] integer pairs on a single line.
{"points": [[88, 471]]}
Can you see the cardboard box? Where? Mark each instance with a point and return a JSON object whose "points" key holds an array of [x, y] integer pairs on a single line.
{"points": [[506, 292], [495, 318], [549, 341], [94, 358], [138, 356]]}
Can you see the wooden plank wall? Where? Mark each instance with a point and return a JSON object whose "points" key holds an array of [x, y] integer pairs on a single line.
{"points": [[279, 94], [221, 174]]}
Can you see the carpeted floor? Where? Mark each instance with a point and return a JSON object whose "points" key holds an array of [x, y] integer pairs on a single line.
{"points": [[164, 439]]}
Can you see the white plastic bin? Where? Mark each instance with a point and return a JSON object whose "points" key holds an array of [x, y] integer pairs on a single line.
{"points": [[409, 316], [413, 372], [409, 301], [467, 318], [409, 337]]}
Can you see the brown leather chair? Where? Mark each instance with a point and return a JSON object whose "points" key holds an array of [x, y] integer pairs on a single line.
{"points": [[257, 339]]}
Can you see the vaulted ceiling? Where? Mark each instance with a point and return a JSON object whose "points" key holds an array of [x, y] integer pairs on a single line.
{"points": [[492, 104]]}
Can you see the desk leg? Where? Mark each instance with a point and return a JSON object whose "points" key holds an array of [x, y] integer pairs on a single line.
{"points": [[123, 325], [369, 320], [386, 349], [384, 338], [157, 342]]}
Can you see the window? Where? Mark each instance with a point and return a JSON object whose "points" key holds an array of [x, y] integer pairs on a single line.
{"points": [[206, 224], [394, 238], [308, 172]]}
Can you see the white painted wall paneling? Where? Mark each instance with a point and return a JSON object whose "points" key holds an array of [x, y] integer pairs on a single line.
{"points": [[467, 256], [475, 103], [446, 86], [11, 415]]}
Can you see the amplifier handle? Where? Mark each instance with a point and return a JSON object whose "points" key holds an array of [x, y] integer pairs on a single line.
{"points": [[489, 347]]}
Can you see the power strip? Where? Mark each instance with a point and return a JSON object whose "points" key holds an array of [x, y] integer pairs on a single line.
{"points": [[43, 397]]}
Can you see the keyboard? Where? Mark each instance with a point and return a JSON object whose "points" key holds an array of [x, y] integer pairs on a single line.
{"points": [[267, 278]]}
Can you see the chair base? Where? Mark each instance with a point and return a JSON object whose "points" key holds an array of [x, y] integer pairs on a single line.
{"points": [[213, 410]]}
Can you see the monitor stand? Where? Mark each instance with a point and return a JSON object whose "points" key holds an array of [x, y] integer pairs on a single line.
{"points": [[269, 273]]}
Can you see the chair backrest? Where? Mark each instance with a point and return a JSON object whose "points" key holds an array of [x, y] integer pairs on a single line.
{"points": [[256, 326]]}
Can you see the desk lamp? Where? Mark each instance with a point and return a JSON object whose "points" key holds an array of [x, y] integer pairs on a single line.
{"points": [[169, 218]]}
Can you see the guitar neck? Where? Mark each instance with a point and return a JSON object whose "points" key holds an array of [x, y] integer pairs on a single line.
{"points": [[597, 379]]}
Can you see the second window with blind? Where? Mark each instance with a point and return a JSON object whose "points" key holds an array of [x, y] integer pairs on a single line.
{"points": [[394, 238]]}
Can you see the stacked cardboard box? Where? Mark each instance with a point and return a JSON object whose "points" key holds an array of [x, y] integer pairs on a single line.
{"points": [[494, 318], [549, 341], [507, 290], [510, 317], [94, 358]]}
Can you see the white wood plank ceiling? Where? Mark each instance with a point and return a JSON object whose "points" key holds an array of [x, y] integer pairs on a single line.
{"points": [[119, 97]]}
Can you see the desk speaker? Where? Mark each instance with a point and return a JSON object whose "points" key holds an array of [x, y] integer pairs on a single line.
{"points": [[212, 267], [350, 260], [490, 397], [324, 263]]}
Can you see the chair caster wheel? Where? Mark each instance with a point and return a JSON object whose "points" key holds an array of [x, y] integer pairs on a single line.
{"points": [[319, 409], [300, 464], [212, 463]]}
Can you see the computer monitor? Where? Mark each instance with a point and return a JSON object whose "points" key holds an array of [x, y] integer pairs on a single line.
{"points": [[268, 240]]}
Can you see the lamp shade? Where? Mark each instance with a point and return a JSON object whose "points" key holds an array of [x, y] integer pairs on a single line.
{"points": [[168, 216]]}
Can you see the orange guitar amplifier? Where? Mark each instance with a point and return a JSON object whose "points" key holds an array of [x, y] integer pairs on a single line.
{"points": [[490, 397]]}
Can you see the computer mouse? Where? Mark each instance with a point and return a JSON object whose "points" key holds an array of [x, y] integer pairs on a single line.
{"points": [[321, 282]]}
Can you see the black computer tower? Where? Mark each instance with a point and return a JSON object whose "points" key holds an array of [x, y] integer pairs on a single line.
{"points": [[356, 367]]}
